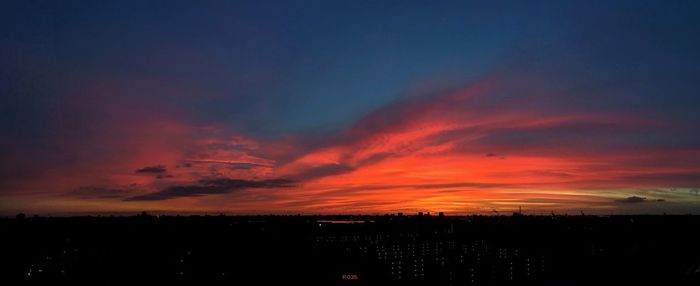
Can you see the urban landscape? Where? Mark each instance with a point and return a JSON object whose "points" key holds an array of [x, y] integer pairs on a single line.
{"points": [[396, 249]]}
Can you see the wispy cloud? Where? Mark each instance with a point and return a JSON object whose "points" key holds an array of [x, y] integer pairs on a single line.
{"points": [[157, 169], [632, 200], [209, 187]]}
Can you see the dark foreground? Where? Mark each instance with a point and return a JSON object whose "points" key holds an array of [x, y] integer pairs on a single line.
{"points": [[386, 250]]}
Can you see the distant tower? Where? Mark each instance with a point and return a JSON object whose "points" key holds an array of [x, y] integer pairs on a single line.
{"points": [[519, 212]]}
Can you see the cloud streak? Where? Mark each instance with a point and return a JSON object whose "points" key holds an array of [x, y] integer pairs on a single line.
{"points": [[210, 187], [467, 149], [157, 169]]}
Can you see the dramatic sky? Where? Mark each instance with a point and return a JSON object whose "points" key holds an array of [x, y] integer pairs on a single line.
{"points": [[349, 106]]}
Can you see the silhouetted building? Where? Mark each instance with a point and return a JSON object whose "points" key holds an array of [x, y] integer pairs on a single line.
{"points": [[356, 250]]}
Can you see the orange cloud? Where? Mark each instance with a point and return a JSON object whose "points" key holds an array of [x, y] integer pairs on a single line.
{"points": [[462, 151], [473, 149]]}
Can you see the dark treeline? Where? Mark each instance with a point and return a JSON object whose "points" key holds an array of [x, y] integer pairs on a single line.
{"points": [[356, 250]]}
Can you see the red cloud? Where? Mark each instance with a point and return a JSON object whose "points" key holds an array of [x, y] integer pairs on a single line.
{"points": [[547, 158], [496, 144]]}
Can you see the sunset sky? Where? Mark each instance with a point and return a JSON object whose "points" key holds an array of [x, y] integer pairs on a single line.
{"points": [[284, 107]]}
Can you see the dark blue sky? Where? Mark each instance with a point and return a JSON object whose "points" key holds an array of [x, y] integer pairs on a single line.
{"points": [[311, 69], [293, 66]]}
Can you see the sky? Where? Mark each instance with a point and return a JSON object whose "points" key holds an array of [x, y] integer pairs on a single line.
{"points": [[324, 107]]}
